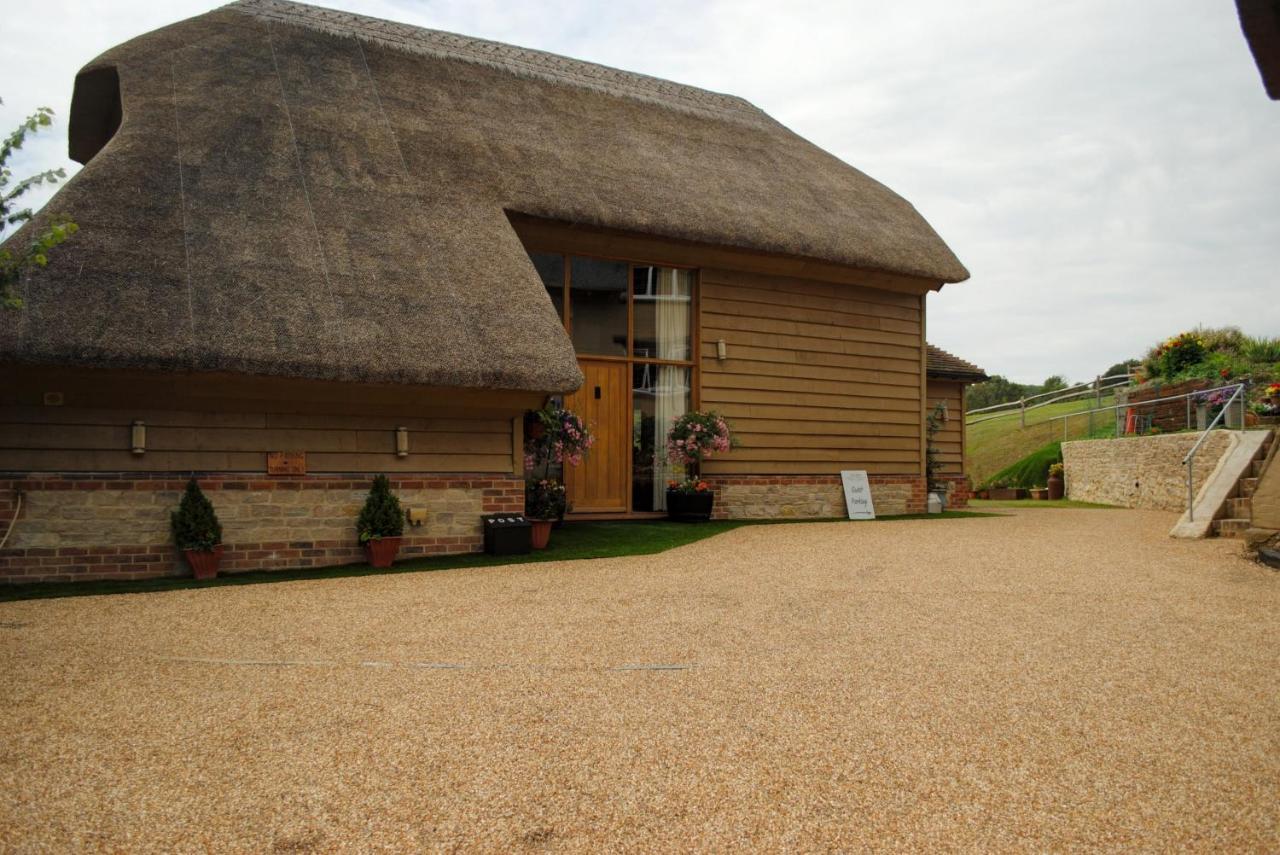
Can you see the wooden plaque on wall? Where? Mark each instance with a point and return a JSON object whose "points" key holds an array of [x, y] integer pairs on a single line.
{"points": [[286, 463]]}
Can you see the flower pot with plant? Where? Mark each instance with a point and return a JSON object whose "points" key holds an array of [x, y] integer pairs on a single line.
{"points": [[197, 532], [554, 436], [545, 501], [1056, 483], [689, 500], [381, 524], [691, 439]]}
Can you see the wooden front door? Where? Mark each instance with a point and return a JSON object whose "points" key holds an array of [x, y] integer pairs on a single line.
{"points": [[599, 485]]}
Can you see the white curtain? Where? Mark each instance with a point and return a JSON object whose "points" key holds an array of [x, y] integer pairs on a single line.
{"points": [[672, 303]]}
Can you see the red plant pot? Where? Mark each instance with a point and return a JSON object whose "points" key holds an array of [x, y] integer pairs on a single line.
{"points": [[204, 564], [1056, 488], [540, 533], [382, 551]]}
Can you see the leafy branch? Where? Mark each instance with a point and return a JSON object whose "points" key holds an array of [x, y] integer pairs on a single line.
{"points": [[36, 254]]}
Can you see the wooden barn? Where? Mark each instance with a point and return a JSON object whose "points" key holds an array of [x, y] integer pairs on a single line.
{"points": [[316, 246]]}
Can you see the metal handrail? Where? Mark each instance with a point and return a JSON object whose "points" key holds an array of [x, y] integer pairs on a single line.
{"points": [[1189, 460], [1077, 391]]}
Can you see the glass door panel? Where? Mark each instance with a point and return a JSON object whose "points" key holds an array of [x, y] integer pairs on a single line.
{"points": [[659, 393]]}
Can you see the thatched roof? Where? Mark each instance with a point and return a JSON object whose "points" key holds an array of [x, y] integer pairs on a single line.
{"points": [[1260, 20], [303, 192], [943, 365]]}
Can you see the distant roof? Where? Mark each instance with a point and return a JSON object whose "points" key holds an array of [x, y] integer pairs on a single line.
{"points": [[943, 364], [275, 188], [1260, 20]]}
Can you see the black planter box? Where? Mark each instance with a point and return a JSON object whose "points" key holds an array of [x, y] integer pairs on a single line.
{"points": [[507, 534], [689, 507]]}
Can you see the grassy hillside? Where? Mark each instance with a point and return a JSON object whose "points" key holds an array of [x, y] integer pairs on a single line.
{"points": [[993, 445]]}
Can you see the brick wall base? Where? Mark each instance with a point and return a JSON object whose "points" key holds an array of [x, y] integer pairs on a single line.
{"points": [[809, 496], [83, 527], [959, 491]]}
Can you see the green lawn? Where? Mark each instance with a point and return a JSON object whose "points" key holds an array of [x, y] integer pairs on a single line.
{"points": [[574, 541], [984, 504], [1001, 442]]}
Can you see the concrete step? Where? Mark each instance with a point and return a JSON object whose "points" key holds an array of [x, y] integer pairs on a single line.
{"points": [[1240, 508], [1247, 486], [1230, 527]]}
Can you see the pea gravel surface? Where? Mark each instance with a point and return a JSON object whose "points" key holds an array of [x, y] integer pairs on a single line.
{"points": [[1050, 679]]}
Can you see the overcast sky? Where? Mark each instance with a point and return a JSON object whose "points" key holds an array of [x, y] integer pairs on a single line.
{"points": [[1108, 175]]}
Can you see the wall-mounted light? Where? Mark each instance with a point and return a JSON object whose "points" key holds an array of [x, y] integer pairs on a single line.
{"points": [[722, 350], [138, 437], [402, 442]]}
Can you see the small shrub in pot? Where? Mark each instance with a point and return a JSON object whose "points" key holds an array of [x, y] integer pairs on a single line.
{"points": [[197, 532], [381, 523]]}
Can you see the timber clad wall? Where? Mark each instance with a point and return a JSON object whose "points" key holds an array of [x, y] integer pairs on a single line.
{"points": [[819, 376], [203, 423], [950, 438]]}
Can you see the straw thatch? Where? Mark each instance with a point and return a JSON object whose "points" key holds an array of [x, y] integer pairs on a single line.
{"points": [[303, 192], [1260, 21], [943, 365]]}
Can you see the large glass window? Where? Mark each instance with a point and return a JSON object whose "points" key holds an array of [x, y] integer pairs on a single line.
{"points": [[550, 267], [663, 312], [643, 315], [659, 393], [598, 306]]}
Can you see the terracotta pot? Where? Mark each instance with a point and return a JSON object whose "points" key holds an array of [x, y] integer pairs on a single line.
{"points": [[690, 507], [541, 532], [382, 551], [204, 565], [1040, 493], [1056, 488]]}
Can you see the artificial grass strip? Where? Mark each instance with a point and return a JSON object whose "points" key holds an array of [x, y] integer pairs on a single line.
{"points": [[572, 542]]}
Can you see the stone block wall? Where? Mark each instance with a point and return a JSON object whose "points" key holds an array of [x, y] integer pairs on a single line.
{"points": [[82, 527], [1139, 471], [809, 496]]}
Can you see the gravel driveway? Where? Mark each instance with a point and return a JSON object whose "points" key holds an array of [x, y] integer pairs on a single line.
{"points": [[1049, 679]]}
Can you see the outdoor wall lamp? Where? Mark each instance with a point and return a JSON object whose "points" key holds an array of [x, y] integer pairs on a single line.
{"points": [[722, 351], [138, 437], [402, 442]]}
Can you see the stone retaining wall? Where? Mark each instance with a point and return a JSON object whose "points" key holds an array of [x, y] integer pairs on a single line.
{"points": [[1139, 471], [81, 527]]}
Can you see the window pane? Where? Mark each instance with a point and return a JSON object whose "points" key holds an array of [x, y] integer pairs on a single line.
{"points": [[659, 394], [663, 312], [598, 306], [550, 267]]}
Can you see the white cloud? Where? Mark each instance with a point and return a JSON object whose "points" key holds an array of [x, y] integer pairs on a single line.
{"points": [[1107, 173]]}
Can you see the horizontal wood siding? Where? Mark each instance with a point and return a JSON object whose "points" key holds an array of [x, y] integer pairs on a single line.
{"points": [[213, 424], [950, 439], [820, 376]]}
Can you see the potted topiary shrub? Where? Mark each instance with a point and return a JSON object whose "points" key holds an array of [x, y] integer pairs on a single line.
{"points": [[692, 438], [1056, 483], [197, 532], [381, 524]]}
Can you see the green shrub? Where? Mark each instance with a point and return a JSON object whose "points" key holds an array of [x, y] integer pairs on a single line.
{"points": [[194, 524], [1031, 471], [381, 515]]}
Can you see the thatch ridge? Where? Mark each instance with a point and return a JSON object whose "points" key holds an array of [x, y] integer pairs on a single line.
{"points": [[526, 62], [298, 192]]}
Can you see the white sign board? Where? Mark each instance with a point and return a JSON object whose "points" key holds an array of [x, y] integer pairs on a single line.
{"points": [[857, 494]]}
